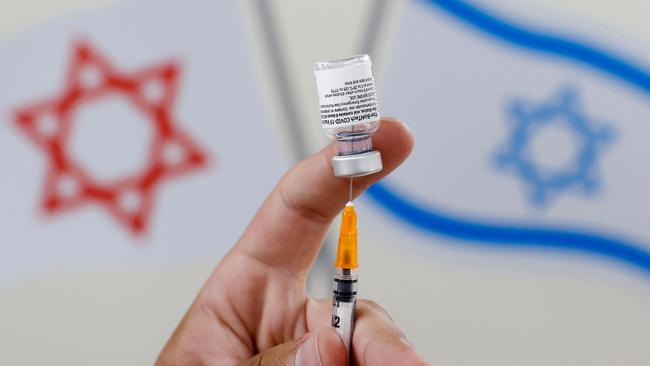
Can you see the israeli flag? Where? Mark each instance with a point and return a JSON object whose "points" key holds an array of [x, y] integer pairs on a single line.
{"points": [[527, 136], [126, 137]]}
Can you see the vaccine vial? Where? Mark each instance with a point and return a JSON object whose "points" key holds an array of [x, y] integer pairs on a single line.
{"points": [[349, 113]]}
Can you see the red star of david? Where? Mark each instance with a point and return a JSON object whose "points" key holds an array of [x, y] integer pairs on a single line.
{"points": [[68, 185]]}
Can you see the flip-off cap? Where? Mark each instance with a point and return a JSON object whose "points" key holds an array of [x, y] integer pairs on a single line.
{"points": [[357, 165]]}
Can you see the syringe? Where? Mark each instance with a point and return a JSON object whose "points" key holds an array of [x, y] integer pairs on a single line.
{"points": [[355, 158], [344, 299]]}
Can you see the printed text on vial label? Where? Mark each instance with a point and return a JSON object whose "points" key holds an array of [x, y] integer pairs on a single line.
{"points": [[353, 103]]}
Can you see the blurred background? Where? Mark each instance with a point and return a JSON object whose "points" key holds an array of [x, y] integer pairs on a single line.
{"points": [[517, 233]]}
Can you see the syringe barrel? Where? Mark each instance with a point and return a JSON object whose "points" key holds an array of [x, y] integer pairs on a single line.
{"points": [[344, 302]]}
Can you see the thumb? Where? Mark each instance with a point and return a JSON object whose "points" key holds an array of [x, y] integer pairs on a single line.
{"points": [[320, 348]]}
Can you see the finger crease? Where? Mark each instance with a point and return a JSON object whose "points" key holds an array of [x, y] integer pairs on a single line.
{"points": [[307, 213]]}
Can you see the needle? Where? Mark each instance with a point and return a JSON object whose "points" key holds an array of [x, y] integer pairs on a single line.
{"points": [[350, 194]]}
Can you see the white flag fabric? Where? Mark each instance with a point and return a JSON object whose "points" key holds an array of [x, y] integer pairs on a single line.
{"points": [[130, 135]]}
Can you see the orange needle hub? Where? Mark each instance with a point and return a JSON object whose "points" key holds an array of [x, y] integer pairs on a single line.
{"points": [[346, 254]]}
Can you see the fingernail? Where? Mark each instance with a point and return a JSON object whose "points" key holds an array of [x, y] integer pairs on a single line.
{"points": [[308, 354]]}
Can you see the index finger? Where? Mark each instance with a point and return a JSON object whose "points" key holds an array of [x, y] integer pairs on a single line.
{"points": [[289, 228]]}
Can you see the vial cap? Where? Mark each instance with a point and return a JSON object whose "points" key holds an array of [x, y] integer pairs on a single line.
{"points": [[357, 165]]}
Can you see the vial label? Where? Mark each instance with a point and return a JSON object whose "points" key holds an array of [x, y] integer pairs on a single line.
{"points": [[347, 96]]}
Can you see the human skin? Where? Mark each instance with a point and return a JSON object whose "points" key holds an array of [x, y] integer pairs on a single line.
{"points": [[253, 309]]}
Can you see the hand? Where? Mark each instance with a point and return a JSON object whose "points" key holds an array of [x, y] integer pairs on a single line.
{"points": [[253, 310]]}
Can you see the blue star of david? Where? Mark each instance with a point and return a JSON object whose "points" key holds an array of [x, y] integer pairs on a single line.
{"points": [[590, 137]]}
